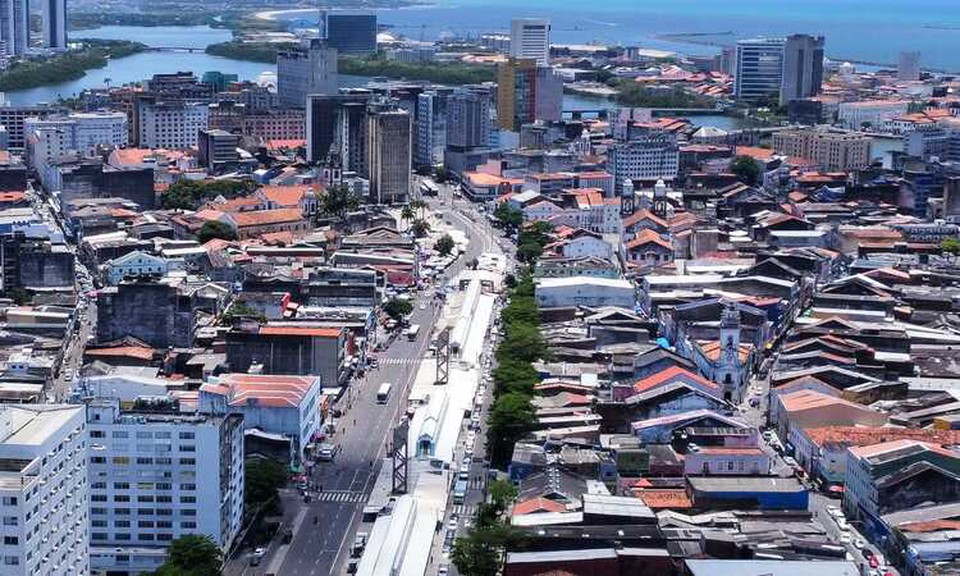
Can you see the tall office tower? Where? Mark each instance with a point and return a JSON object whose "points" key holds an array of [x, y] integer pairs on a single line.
{"points": [[468, 120], [530, 38], [336, 130], [526, 93], [43, 489], [759, 69], [310, 68], [15, 26], [388, 154], [802, 67], [431, 127], [54, 24], [350, 32], [908, 68], [157, 475]]}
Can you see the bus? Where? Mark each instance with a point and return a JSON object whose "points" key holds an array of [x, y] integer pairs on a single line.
{"points": [[383, 393], [428, 188], [413, 331], [460, 492]]}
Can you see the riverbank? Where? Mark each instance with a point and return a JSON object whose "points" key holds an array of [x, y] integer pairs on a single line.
{"points": [[68, 66], [440, 73], [237, 22]]}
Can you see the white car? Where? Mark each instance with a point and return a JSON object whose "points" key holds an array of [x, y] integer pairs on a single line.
{"points": [[859, 543], [845, 538], [423, 305], [834, 511]]}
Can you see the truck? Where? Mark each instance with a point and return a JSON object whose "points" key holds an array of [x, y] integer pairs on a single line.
{"points": [[413, 331]]}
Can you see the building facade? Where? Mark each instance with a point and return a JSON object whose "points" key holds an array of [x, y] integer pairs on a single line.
{"points": [[802, 67], [15, 26], [156, 476], [351, 33], [831, 151], [759, 69], [649, 158], [310, 68], [527, 92], [172, 125], [54, 16], [530, 38], [389, 155]]}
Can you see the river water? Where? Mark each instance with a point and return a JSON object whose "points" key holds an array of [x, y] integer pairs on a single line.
{"points": [[141, 66]]}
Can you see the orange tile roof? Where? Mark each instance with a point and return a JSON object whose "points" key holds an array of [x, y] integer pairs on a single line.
{"points": [[754, 152], [866, 436], [644, 215], [236, 204], [266, 217], [670, 374], [284, 238], [647, 236], [929, 526], [138, 352], [811, 399], [884, 447], [711, 349], [268, 391], [665, 498], [285, 196], [300, 331], [290, 143], [11, 196], [538, 504]]}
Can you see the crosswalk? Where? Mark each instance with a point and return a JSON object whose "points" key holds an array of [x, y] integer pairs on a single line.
{"points": [[463, 510], [341, 496], [398, 361]]}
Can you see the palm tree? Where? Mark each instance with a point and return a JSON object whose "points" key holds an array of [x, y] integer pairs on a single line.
{"points": [[406, 214]]}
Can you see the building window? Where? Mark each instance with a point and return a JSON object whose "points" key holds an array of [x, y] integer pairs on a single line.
{"points": [[9, 500], [11, 560], [10, 540]]}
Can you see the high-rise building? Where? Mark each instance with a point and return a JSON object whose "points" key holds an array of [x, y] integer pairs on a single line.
{"points": [[802, 67], [43, 490], [530, 38], [217, 150], [173, 124], [908, 67], [310, 68], [468, 117], [15, 26], [527, 93], [431, 127], [156, 475], [86, 130], [759, 69], [350, 32], [336, 130], [389, 154], [647, 158], [54, 24]]}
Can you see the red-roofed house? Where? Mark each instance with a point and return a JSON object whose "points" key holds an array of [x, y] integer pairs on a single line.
{"points": [[252, 224], [537, 505], [292, 349], [287, 406], [648, 248]]}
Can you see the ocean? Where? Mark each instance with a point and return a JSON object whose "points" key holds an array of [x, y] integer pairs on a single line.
{"points": [[863, 30]]}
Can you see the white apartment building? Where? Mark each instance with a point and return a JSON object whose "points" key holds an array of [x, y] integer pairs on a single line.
{"points": [[85, 131], [530, 38], [869, 114], [156, 476], [171, 125], [650, 158], [43, 491]]}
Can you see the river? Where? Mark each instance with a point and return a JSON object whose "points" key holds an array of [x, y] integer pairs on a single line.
{"points": [[141, 66]]}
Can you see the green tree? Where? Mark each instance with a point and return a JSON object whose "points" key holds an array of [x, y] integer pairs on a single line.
{"points": [[523, 342], [190, 194], [510, 217], [420, 206], [397, 308], [192, 555], [502, 494], [511, 418], [445, 245], [262, 482], [950, 246], [476, 555], [420, 228], [339, 200], [215, 229], [522, 309], [406, 213], [746, 170], [529, 252], [515, 376]]}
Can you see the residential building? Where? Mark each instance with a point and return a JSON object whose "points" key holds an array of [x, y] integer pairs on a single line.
{"points": [[812, 409], [830, 151], [469, 117], [389, 155], [218, 150], [288, 350], [431, 127], [336, 130], [908, 67], [527, 92], [253, 223], [171, 124], [15, 26], [350, 33], [13, 117], [645, 158], [54, 21], [530, 38], [43, 491], [759, 69], [274, 124], [134, 265], [310, 68], [76, 132], [287, 406], [156, 475], [726, 461], [802, 67]]}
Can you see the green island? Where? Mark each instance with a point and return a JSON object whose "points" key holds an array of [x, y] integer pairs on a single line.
{"points": [[374, 65], [630, 93], [30, 73]]}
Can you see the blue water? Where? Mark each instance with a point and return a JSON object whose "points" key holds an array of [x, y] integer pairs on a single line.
{"points": [[869, 30]]}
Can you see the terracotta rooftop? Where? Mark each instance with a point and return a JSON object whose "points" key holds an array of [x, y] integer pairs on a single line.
{"points": [[268, 391], [266, 217], [538, 504], [868, 436], [299, 331], [138, 352], [646, 236], [665, 498], [285, 196], [670, 374]]}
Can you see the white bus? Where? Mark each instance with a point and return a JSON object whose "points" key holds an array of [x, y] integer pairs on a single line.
{"points": [[413, 331], [383, 393], [428, 188]]}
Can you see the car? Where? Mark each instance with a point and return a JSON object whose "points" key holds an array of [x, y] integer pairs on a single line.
{"points": [[423, 306], [834, 511], [452, 525], [464, 471], [255, 560], [859, 543], [443, 570], [845, 538], [842, 523], [789, 461]]}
